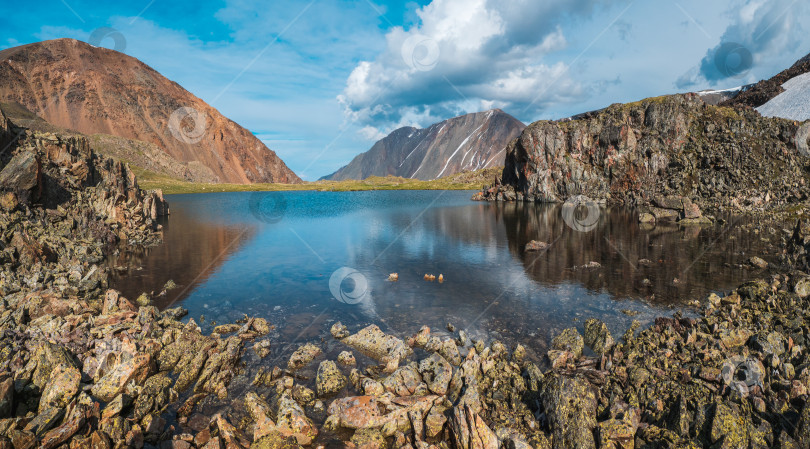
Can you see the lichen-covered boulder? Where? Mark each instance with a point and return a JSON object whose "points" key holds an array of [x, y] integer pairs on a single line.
{"points": [[329, 380], [597, 336], [570, 405], [291, 420], [128, 368], [303, 356], [437, 373], [374, 343], [569, 340]]}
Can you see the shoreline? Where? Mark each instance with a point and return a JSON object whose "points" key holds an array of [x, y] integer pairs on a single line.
{"points": [[80, 365], [461, 181]]}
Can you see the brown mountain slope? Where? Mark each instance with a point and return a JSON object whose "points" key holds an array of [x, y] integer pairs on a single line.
{"points": [[466, 143], [99, 91]]}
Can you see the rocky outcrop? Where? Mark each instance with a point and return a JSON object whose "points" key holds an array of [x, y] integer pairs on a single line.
{"points": [[94, 90], [467, 143], [668, 147], [80, 365]]}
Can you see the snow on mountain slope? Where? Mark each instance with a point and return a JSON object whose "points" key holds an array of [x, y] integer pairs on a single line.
{"points": [[465, 143], [793, 103]]}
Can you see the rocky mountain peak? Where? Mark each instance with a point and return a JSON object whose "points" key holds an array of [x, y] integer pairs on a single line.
{"points": [[468, 142]]}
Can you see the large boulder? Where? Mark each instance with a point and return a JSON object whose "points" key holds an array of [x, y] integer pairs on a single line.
{"points": [[22, 174], [374, 343], [674, 146], [570, 405], [128, 367], [437, 373]]}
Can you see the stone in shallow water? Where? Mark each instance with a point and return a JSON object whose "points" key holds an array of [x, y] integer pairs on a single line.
{"points": [[346, 358], [303, 356], [374, 343], [329, 380], [535, 245]]}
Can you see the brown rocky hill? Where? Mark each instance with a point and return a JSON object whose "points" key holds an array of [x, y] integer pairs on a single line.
{"points": [[94, 90], [651, 151], [467, 143]]}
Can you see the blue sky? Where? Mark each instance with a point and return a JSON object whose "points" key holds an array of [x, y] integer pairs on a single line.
{"points": [[319, 81]]}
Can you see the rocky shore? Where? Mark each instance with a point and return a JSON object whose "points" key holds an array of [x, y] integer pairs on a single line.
{"points": [[82, 366], [673, 157]]}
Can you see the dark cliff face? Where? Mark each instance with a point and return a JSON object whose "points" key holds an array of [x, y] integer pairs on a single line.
{"points": [[666, 146], [469, 142], [93, 90]]}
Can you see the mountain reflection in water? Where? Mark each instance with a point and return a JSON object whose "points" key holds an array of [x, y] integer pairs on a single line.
{"points": [[229, 261]]}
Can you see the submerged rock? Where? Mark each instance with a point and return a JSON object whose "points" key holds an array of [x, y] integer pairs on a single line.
{"points": [[303, 356]]}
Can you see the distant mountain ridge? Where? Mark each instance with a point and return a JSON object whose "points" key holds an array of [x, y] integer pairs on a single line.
{"points": [[93, 90], [465, 143]]}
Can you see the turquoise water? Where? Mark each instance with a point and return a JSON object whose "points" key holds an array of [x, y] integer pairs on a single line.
{"points": [[274, 254]]}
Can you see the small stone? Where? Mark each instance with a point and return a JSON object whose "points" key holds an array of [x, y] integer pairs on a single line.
{"points": [[758, 262], [339, 331], [535, 245], [346, 358], [303, 356], [262, 348], [329, 380]]}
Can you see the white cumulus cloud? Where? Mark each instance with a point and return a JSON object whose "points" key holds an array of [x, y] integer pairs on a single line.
{"points": [[462, 56]]}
